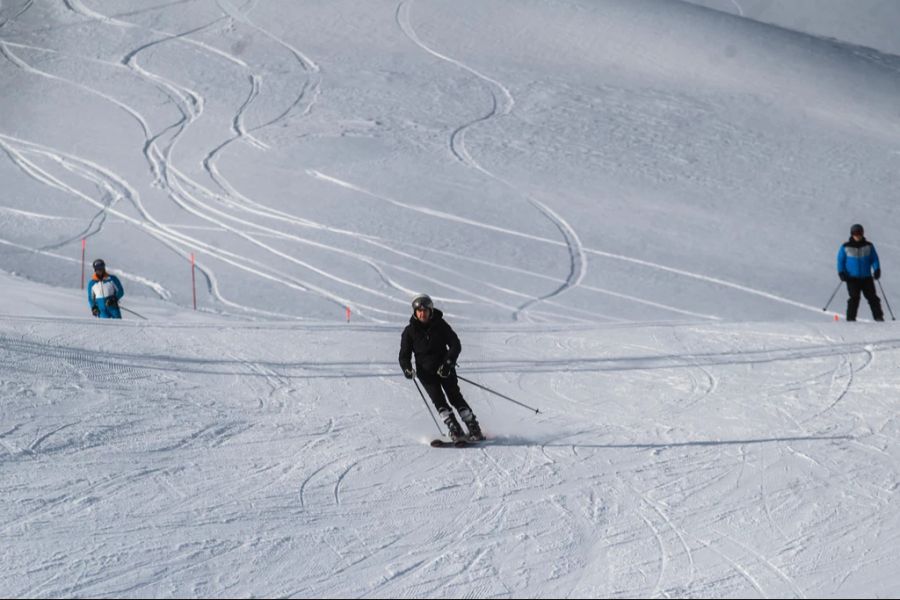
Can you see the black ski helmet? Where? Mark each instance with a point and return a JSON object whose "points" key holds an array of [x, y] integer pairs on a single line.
{"points": [[857, 230], [422, 301], [99, 265]]}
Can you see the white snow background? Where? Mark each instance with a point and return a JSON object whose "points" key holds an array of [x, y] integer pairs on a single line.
{"points": [[628, 210]]}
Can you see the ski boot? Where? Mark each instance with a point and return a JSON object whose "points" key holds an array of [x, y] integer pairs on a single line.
{"points": [[453, 428], [472, 425]]}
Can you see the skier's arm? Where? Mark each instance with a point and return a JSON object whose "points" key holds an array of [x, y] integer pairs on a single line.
{"points": [[90, 293], [842, 260], [120, 291], [406, 350], [876, 265], [454, 344]]}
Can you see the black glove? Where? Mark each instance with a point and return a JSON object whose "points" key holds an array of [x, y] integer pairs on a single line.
{"points": [[446, 369], [409, 373], [877, 274], [95, 311], [843, 275], [112, 301]]}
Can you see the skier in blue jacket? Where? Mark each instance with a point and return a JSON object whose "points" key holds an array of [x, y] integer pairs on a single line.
{"points": [[104, 292], [858, 266]]}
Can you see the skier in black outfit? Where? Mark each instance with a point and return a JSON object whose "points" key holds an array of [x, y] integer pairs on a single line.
{"points": [[437, 347]]}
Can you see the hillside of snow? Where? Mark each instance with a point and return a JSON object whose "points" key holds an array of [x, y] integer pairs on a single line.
{"points": [[866, 23], [629, 210]]}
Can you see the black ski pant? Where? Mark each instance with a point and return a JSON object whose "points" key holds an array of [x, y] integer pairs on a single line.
{"points": [[867, 288], [436, 387]]}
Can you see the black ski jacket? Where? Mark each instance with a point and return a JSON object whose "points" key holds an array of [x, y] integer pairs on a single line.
{"points": [[432, 342]]}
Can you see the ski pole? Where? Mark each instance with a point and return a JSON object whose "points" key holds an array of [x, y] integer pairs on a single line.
{"points": [[893, 318], [496, 393], [134, 313], [440, 431], [832, 295]]}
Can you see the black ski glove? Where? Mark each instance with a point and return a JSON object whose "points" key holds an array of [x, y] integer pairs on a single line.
{"points": [[843, 275], [446, 369], [95, 311], [409, 373], [877, 274], [112, 301]]}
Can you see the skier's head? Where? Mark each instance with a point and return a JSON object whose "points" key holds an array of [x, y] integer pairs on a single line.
{"points": [[99, 266], [857, 230], [422, 307]]}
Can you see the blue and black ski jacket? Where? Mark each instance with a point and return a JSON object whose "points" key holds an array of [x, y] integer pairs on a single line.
{"points": [[104, 293], [857, 259]]}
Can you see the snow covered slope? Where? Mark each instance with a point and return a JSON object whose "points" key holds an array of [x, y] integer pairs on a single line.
{"points": [[629, 211], [521, 160], [291, 460], [869, 23]]}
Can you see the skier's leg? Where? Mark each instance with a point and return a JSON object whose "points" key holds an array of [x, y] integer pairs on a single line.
{"points": [[871, 295], [853, 288], [451, 386], [433, 388], [434, 391]]}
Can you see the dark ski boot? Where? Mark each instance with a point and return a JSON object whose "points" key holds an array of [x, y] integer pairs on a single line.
{"points": [[453, 428], [472, 425]]}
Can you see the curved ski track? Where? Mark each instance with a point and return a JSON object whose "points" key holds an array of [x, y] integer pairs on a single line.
{"points": [[577, 257], [176, 184], [199, 201]]}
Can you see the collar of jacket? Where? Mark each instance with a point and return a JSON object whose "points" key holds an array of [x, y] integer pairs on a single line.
{"points": [[105, 275], [853, 243], [436, 315]]}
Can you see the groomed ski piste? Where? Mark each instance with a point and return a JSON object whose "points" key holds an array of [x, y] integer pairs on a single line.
{"points": [[628, 210]]}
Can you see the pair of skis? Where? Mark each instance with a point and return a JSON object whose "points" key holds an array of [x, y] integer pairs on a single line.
{"points": [[442, 443], [463, 443]]}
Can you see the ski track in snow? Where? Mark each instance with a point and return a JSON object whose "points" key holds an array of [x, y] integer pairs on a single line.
{"points": [[578, 253], [568, 505], [577, 257], [154, 156], [188, 194], [177, 184], [619, 257], [685, 460], [27, 4], [191, 105]]}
